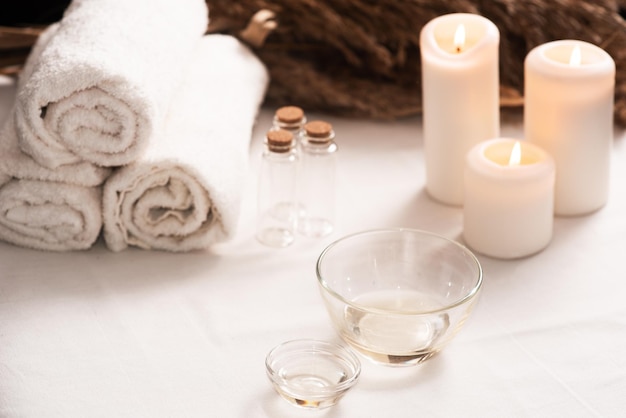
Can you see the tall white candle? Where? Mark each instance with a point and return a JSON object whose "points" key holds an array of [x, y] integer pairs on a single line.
{"points": [[568, 111], [460, 97], [509, 198]]}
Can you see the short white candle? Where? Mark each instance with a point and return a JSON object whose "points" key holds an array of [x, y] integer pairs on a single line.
{"points": [[568, 111], [509, 198], [460, 97]]}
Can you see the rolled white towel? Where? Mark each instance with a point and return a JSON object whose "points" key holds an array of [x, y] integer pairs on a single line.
{"points": [[100, 81], [17, 164], [47, 215], [185, 192], [57, 210]]}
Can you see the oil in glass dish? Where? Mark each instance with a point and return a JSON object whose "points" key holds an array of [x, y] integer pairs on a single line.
{"points": [[387, 334], [312, 386], [312, 374]]}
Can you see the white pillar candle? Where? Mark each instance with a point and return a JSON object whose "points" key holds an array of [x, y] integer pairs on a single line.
{"points": [[568, 111], [509, 198], [460, 97]]}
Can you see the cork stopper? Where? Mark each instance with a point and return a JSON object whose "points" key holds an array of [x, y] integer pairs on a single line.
{"points": [[319, 131], [289, 114], [279, 140]]}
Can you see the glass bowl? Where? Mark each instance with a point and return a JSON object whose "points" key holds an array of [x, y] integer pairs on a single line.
{"points": [[398, 296], [310, 373]]}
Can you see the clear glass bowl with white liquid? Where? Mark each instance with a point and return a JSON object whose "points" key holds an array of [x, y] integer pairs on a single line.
{"points": [[398, 296]]}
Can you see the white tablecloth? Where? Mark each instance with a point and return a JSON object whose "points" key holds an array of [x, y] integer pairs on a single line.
{"points": [[154, 334]]}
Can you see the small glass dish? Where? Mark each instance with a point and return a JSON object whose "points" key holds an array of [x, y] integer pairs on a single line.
{"points": [[310, 373]]}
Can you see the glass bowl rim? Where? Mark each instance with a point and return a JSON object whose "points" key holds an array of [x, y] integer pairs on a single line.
{"points": [[468, 296], [308, 345]]}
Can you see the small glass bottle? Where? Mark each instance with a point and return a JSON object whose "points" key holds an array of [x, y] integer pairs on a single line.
{"points": [[276, 223], [292, 119], [316, 180]]}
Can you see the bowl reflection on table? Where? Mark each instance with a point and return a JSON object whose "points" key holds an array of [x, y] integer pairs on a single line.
{"points": [[398, 296]]}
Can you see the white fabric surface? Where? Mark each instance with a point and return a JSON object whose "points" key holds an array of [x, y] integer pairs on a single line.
{"points": [[185, 192], [105, 75], [153, 334]]}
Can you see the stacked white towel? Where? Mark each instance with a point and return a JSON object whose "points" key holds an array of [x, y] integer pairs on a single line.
{"points": [[101, 84], [49, 215], [17, 164], [94, 90], [46, 209], [184, 193]]}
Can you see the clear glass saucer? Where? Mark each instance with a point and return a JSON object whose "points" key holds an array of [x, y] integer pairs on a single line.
{"points": [[311, 373]]}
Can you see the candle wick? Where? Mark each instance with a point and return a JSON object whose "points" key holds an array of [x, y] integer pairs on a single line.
{"points": [[459, 38]]}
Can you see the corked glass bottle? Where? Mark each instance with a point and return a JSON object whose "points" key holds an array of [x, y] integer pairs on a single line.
{"points": [[292, 119], [316, 179], [276, 214]]}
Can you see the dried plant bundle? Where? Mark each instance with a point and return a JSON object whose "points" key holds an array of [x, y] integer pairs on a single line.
{"points": [[361, 58]]}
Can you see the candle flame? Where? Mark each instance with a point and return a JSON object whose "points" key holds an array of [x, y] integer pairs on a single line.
{"points": [[576, 58], [459, 37], [516, 154]]}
